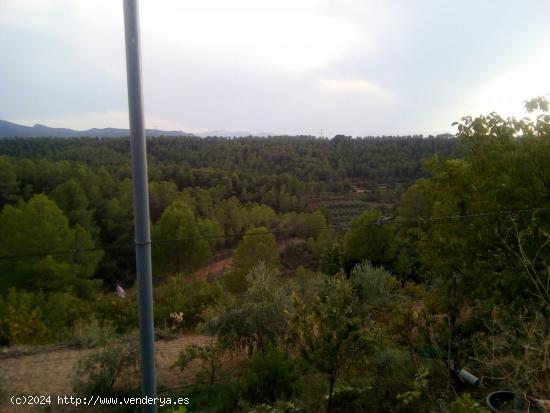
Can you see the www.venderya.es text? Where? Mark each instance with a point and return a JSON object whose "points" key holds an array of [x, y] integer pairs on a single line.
{"points": [[97, 400]]}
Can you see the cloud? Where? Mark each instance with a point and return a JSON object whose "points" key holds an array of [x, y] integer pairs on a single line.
{"points": [[359, 86], [292, 36], [352, 66], [506, 92]]}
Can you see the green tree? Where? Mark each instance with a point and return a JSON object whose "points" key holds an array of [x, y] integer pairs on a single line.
{"points": [[210, 357], [330, 333], [179, 247], [367, 239], [9, 185], [262, 215], [161, 195], [256, 319], [71, 198], [256, 246], [375, 287], [38, 227]]}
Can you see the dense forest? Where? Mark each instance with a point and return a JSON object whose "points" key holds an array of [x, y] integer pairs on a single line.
{"points": [[440, 268]]}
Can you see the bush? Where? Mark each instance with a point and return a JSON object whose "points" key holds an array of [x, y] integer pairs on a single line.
{"points": [[465, 404], [269, 376], [375, 286], [37, 318], [296, 255], [180, 295], [393, 375], [122, 312], [59, 313], [258, 317], [97, 374], [20, 319], [92, 333], [234, 282], [279, 408], [224, 398]]}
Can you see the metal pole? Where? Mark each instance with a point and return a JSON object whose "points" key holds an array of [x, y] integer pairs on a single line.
{"points": [[141, 202]]}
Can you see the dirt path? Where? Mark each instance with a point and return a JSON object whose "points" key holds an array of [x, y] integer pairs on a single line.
{"points": [[52, 372], [215, 268]]}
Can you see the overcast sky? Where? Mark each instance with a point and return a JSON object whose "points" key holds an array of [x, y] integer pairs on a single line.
{"points": [[357, 67]]}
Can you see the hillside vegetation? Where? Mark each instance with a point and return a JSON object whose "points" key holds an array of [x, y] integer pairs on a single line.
{"points": [[365, 274]]}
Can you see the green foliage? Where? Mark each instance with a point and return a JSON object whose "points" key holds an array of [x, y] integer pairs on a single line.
{"points": [[223, 398], [255, 248], [209, 356], [184, 250], [304, 224], [329, 333], [257, 318], [181, 295], [21, 321], [375, 286], [465, 404], [37, 227], [395, 379], [98, 373], [357, 338], [92, 333], [262, 215], [286, 407], [161, 195], [37, 318], [419, 386], [270, 376], [333, 260], [512, 350], [368, 240], [73, 201], [484, 256], [9, 185], [122, 312]]}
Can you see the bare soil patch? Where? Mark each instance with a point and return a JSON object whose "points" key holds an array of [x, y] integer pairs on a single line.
{"points": [[51, 371]]}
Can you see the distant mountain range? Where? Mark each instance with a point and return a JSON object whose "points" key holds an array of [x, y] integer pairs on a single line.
{"points": [[234, 134], [13, 130]]}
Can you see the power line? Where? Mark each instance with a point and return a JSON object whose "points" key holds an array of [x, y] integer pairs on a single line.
{"points": [[382, 221], [468, 216]]}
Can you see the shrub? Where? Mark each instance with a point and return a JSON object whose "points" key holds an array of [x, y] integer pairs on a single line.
{"points": [[92, 333], [37, 318], [179, 295], [375, 286], [258, 317], [296, 255], [465, 404], [224, 398], [122, 312], [59, 313], [20, 319], [209, 356], [287, 407], [269, 376], [98, 373]]}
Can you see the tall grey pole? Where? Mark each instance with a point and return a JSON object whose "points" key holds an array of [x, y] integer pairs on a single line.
{"points": [[141, 202]]}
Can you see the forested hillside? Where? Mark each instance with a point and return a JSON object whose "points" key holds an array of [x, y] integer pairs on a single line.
{"points": [[441, 266]]}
